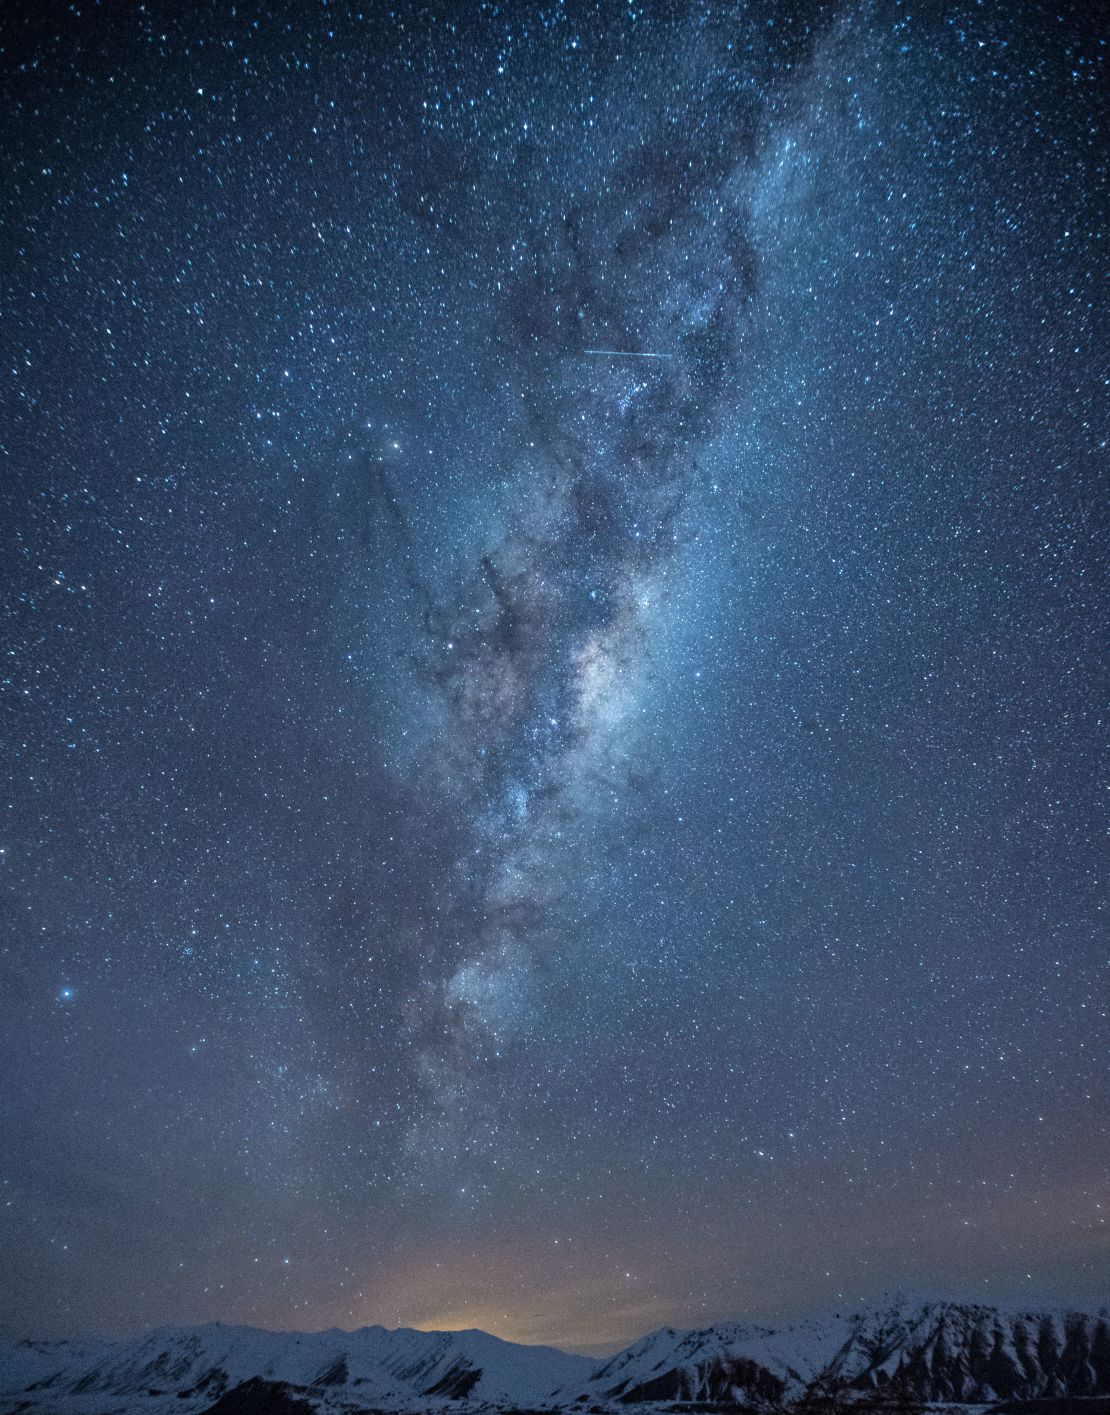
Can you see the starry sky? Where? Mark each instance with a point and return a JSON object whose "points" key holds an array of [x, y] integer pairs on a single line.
{"points": [[553, 587]]}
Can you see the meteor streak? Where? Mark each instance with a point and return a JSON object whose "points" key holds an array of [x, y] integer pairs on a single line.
{"points": [[626, 354]]}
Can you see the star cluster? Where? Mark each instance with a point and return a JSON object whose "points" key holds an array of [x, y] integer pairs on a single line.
{"points": [[554, 605]]}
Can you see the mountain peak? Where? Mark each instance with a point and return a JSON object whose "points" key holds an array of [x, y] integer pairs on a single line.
{"points": [[914, 1349]]}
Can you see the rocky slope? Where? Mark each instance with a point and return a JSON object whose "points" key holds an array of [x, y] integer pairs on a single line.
{"points": [[931, 1352]]}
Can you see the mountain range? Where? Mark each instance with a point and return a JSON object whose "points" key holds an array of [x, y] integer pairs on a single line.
{"points": [[898, 1355]]}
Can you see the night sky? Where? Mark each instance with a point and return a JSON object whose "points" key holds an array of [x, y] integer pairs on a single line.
{"points": [[553, 568]]}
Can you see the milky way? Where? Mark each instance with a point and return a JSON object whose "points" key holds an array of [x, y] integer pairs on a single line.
{"points": [[541, 667], [554, 574]]}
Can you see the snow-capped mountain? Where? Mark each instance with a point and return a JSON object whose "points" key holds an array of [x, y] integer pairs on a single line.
{"points": [[897, 1354], [188, 1369], [936, 1352]]}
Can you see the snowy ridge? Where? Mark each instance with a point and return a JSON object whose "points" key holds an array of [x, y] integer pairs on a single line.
{"points": [[901, 1353], [923, 1351], [188, 1369]]}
